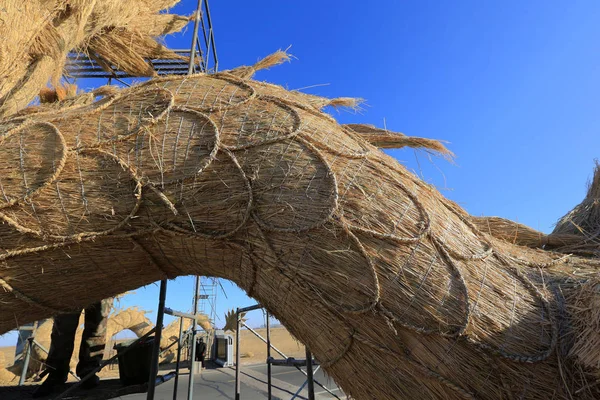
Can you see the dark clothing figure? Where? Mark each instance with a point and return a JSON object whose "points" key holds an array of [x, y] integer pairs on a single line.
{"points": [[200, 351], [62, 344]]}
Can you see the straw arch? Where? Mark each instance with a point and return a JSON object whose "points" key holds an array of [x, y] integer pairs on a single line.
{"points": [[309, 218]]}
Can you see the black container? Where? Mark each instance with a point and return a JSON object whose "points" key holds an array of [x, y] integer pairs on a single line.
{"points": [[134, 366]]}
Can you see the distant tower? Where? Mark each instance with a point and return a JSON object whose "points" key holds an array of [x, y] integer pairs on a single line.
{"points": [[206, 290]]}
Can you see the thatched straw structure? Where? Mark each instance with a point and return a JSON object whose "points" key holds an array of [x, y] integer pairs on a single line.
{"points": [[394, 288], [37, 35], [584, 221], [578, 232], [231, 320]]}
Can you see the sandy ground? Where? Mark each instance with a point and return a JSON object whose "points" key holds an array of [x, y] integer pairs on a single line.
{"points": [[6, 356], [253, 350]]}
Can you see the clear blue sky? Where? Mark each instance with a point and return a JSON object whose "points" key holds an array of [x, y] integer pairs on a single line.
{"points": [[513, 86]]}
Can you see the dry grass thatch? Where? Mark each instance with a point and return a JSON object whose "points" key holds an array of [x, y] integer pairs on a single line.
{"points": [[578, 232], [37, 35], [231, 320], [584, 221], [585, 307], [277, 58], [369, 266], [385, 139], [522, 235], [58, 93]]}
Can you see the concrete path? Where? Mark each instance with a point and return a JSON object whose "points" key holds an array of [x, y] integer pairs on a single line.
{"points": [[219, 383]]}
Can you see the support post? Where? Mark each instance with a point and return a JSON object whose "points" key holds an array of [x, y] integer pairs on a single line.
{"points": [[195, 38], [26, 361], [212, 37], [178, 358], [309, 375], [269, 383], [156, 350], [237, 355], [192, 365], [193, 355]]}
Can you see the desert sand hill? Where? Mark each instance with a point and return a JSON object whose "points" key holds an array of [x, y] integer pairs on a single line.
{"points": [[253, 350]]}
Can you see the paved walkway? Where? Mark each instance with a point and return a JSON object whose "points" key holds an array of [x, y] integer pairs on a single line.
{"points": [[287, 380], [219, 383], [216, 383]]}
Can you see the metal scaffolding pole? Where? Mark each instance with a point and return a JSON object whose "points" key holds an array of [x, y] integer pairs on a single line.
{"points": [[237, 355], [26, 362], [178, 358], [156, 349], [269, 383], [195, 38], [270, 361], [297, 394], [211, 35], [181, 316], [193, 355], [309, 375]]}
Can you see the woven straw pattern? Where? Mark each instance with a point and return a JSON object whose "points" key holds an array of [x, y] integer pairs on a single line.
{"points": [[38, 34], [395, 290]]}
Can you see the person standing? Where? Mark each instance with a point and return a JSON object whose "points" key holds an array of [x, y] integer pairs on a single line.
{"points": [[200, 351], [62, 344]]}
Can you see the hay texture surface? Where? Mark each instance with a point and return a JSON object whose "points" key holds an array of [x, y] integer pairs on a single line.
{"points": [[395, 290], [37, 35]]}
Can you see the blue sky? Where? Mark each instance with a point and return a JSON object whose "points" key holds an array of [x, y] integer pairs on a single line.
{"points": [[513, 86]]}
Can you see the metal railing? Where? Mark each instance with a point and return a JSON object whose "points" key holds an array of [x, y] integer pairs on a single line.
{"points": [[309, 362]]}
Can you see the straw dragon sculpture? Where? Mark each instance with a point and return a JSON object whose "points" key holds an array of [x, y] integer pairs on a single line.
{"points": [[398, 292]]}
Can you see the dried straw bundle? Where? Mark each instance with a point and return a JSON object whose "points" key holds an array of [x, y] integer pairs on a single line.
{"points": [[394, 288], [578, 232], [584, 221], [516, 233], [231, 320], [585, 308], [38, 34], [132, 319], [385, 139]]}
